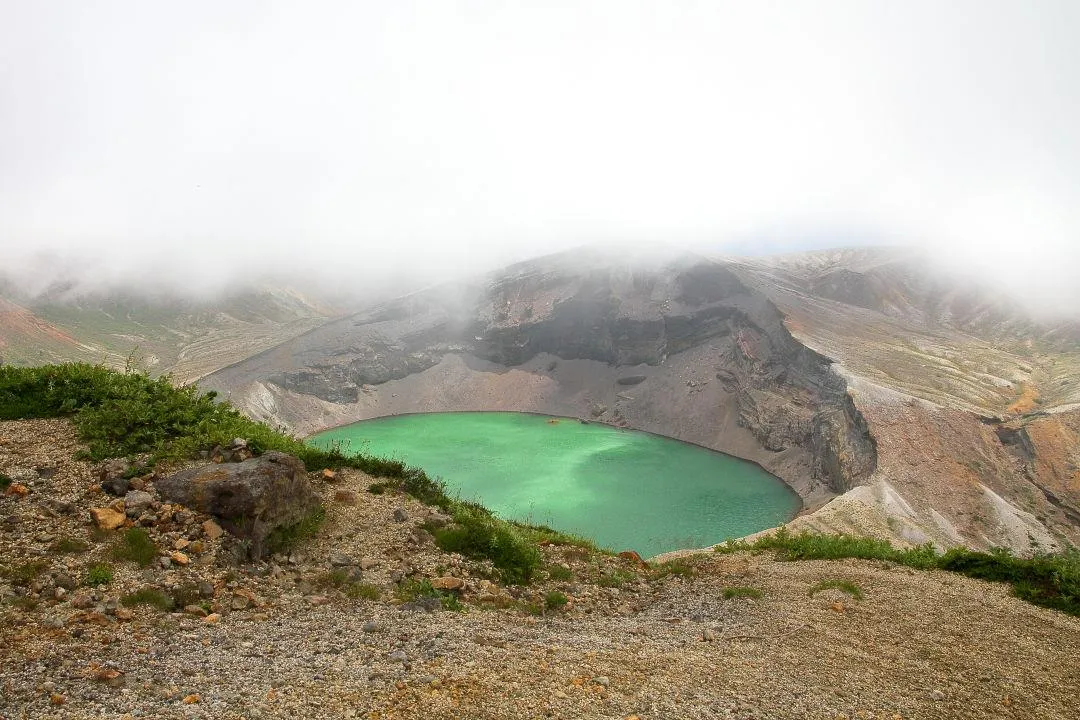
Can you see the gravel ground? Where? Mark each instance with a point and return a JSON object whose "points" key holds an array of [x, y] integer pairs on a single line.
{"points": [[281, 643]]}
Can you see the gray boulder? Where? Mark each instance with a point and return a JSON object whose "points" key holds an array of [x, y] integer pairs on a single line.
{"points": [[250, 499]]}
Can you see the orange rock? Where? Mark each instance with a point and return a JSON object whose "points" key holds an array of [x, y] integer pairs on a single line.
{"points": [[212, 619], [192, 699], [838, 606], [180, 558], [633, 557], [57, 699], [107, 518], [212, 530], [328, 474], [19, 490], [447, 583]]}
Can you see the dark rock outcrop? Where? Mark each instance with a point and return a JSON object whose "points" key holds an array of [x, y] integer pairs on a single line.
{"points": [[250, 499]]}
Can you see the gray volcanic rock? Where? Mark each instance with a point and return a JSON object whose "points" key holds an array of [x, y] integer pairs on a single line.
{"points": [[251, 499]]}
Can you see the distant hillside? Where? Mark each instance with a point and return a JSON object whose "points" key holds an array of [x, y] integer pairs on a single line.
{"points": [[186, 338]]}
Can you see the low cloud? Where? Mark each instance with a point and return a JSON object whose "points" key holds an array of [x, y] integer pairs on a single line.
{"points": [[364, 148]]}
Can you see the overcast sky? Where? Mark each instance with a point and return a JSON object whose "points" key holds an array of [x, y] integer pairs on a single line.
{"points": [[212, 137]]}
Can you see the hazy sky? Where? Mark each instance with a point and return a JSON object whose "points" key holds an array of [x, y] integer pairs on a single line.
{"points": [[211, 137]]}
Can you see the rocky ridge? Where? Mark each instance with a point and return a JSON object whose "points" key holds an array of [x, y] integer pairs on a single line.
{"points": [[331, 629]]}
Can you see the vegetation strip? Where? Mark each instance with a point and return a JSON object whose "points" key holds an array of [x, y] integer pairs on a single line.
{"points": [[1050, 580]]}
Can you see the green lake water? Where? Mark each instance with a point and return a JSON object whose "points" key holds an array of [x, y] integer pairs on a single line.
{"points": [[621, 488]]}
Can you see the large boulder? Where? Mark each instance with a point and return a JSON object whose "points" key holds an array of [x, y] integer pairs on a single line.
{"points": [[250, 499]]}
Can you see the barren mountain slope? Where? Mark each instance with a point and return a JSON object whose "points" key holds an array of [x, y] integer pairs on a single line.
{"points": [[971, 400], [910, 396]]}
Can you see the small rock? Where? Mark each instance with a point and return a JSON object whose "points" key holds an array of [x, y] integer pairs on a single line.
{"points": [[136, 502], [212, 618], [239, 443], [191, 699], [60, 593], [602, 680], [107, 518], [46, 473], [368, 562], [438, 520], [633, 557], [338, 559], [65, 581], [18, 490], [196, 610], [179, 558], [181, 544], [398, 656], [239, 602], [123, 614], [165, 562], [212, 530], [329, 475], [937, 695], [82, 600], [206, 589], [447, 583], [371, 626], [400, 515], [708, 635]]}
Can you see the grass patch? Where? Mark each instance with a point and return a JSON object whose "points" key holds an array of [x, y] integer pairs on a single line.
{"points": [[69, 546], [135, 546], [100, 574], [417, 590], [741, 592], [5, 482], [615, 579], [678, 568], [362, 591], [842, 585], [555, 600], [284, 539], [148, 596], [1051, 581], [24, 574], [559, 573]]}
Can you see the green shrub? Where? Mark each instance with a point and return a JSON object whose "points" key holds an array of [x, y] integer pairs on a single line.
{"points": [[100, 574], [135, 546], [479, 534], [5, 481], [842, 585], [284, 539], [148, 596], [741, 592], [555, 600]]}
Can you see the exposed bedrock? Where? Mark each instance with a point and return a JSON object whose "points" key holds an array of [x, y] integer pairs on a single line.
{"points": [[691, 349]]}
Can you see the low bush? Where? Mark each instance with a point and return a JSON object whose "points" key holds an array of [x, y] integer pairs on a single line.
{"points": [[99, 574], [555, 600], [69, 546], [477, 533]]}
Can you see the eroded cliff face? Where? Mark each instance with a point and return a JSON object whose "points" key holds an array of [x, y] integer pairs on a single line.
{"points": [[679, 328]]}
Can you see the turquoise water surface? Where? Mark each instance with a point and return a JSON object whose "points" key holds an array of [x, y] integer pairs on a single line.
{"points": [[621, 488]]}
